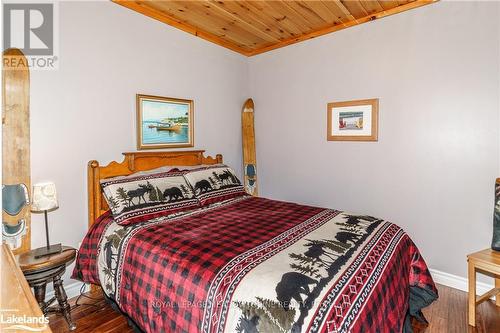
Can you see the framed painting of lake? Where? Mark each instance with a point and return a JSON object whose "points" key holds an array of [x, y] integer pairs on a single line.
{"points": [[353, 120], [164, 122]]}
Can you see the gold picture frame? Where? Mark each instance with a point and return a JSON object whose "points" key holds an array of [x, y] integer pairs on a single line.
{"points": [[164, 122], [353, 120]]}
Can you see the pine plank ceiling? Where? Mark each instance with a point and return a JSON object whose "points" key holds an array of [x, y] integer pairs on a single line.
{"points": [[255, 26]]}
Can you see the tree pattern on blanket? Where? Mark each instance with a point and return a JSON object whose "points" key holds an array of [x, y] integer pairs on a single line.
{"points": [[313, 270], [111, 248], [267, 315]]}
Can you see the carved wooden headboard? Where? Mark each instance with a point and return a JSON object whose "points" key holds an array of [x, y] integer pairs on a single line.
{"points": [[134, 162]]}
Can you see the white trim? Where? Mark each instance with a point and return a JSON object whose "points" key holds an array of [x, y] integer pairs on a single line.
{"points": [[72, 290], [458, 282]]}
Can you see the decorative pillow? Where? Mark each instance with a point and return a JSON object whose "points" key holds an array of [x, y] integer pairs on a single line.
{"points": [[214, 183], [162, 169], [143, 197]]}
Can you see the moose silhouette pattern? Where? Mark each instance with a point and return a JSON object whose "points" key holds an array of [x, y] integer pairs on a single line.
{"points": [[145, 194], [313, 270], [148, 194], [139, 193], [227, 178]]}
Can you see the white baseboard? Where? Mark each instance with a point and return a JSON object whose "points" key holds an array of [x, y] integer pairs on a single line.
{"points": [[458, 282], [72, 290]]}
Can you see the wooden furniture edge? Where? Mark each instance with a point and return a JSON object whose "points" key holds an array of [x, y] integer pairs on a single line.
{"points": [[135, 162], [50, 261], [487, 295], [26, 299], [478, 262]]}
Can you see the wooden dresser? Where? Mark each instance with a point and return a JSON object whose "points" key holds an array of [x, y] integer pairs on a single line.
{"points": [[16, 300]]}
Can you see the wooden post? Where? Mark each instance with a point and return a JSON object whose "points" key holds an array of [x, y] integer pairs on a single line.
{"points": [[16, 135], [497, 286], [472, 294]]}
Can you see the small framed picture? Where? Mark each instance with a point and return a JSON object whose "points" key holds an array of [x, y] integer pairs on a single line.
{"points": [[353, 120], [164, 122]]}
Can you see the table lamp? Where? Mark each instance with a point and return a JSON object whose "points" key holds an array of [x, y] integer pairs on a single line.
{"points": [[44, 200]]}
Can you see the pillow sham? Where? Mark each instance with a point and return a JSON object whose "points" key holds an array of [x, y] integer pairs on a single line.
{"points": [[214, 183], [143, 197], [162, 169]]}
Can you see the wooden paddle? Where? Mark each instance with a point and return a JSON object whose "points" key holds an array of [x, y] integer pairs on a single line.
{"points": [[249, 158], [16, 135]]}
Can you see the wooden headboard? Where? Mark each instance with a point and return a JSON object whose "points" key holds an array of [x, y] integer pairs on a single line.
{"points": [[134, 162]]}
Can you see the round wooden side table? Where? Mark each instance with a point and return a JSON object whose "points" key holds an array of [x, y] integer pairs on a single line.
{"points": [[40, 271]]}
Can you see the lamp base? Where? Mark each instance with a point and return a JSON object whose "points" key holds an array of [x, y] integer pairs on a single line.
{"points": [[47, 251]]}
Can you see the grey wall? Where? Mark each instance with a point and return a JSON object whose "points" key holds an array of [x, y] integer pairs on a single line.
{"points": [[435, 69], [86, 109], [436, 72]]}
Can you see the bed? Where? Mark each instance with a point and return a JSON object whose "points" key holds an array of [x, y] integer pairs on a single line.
{"points": [[249, 264]]}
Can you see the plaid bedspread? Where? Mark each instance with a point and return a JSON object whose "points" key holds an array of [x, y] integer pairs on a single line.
{"points": [[257, 265]]}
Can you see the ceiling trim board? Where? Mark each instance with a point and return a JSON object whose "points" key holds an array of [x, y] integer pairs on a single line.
{"points": [[265, 38]]}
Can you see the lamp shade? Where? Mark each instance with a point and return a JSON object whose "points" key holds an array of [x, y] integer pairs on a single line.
{"points": [[44, 197]]}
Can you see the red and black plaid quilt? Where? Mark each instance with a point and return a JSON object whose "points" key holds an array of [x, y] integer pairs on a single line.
{"points": [[257, 265]]}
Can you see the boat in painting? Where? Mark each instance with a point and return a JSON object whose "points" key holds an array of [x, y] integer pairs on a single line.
{"points": [[166, 126]]}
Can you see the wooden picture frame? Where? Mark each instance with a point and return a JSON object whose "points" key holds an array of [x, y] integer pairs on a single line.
{"points": [[353, 120], [164, 122]]}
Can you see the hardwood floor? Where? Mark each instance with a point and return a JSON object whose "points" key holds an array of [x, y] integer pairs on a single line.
{"points": [[447, 314], [98, 317]]}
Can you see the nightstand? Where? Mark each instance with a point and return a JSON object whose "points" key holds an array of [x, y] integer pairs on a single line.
{"points": [[487, 262], [40, 271]]}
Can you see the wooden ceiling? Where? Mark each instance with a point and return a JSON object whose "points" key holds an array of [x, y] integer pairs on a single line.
{"points": [[255, 26]]}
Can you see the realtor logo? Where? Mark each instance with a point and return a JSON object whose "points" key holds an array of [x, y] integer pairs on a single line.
{"points": [[31, 28]]}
